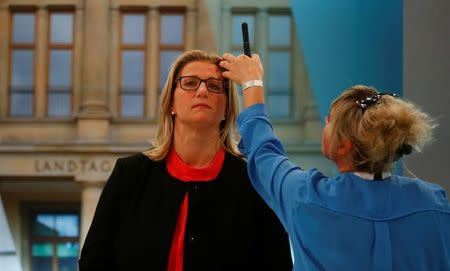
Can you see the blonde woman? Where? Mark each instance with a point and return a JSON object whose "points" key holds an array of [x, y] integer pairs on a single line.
{"points": [[187, 204], [364, 218]]}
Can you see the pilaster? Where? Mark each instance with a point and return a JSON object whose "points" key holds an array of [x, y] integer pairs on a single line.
{"points": [[41, 53], [4, 60], [90, 194], [191, 27], [93, 118], [152, 84]]}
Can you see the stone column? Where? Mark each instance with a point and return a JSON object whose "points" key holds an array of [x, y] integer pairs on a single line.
{"points": [[93, 118], [90, 194], [4, 60], [191, 27], [152, 84], [41, 74], [114, 56], [261, 37], [224, 45], [77, 56]]}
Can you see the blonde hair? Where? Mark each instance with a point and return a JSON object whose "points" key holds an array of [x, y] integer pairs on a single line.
{"points": [[163, 142], [378, 131]]}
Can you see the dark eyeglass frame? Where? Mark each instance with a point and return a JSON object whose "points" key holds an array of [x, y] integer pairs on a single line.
{"points": [[224, 84], [372, 99]]}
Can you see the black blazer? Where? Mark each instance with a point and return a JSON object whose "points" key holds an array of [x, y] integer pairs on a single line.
{"points": [[229, 227]]}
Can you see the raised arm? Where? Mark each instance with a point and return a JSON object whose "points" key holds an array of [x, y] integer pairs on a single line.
{"points": [[277, 180], [242, 69]]}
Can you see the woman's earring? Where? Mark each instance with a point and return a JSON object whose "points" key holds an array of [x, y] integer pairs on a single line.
{"points": [[173, 113]]}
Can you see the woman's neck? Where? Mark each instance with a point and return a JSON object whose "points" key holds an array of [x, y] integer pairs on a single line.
{"points": [[344, 164], [196, 147]]}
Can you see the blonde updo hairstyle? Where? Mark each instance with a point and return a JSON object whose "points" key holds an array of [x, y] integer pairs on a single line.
{"points": [[164, 139], [378, 131]]}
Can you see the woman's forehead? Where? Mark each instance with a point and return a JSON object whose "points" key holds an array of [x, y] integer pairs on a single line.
{"points": [[201, 68]]}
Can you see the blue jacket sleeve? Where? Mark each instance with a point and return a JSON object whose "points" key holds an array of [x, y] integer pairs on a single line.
{"points": [[280, 183]]}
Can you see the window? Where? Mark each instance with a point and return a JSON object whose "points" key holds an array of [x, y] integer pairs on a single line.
{"points": [[60, 64], [133, 48], [21, 89], [171, 43], [136, 66], [279, 66], [54, 240], [275, 49], [236, 44]]}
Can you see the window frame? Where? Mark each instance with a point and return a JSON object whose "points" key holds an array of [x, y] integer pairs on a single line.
{"points": [[152, 58], [169, 47], [132, 47], [253, 45], [21, 46], [290, 50], [29, 212], [60, 46], [262, 46]]}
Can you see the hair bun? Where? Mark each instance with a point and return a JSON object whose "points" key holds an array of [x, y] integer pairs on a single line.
{"points": [[404, 149]]}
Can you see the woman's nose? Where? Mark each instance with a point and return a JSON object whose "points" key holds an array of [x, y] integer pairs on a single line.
{"points": [[202, 89]]}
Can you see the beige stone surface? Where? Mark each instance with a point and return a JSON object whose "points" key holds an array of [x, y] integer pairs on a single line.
{"points": [[68, 160]]}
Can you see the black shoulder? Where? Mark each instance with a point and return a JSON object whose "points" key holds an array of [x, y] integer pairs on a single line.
{"points": [[135, 162], [236, 161], [133, 167], [235, 169], [134, 159]]}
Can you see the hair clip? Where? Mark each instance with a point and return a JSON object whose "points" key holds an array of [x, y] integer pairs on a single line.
{"points": [[404, 149], [372, 99]]}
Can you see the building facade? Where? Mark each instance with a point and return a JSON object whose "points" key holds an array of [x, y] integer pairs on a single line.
{"points": [[79, 87]]}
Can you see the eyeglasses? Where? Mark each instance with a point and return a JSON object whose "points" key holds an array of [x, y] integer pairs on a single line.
{"points": [[192, 83], [373, 99]]}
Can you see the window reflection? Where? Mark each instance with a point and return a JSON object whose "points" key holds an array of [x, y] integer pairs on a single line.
{"points": [[59, 101], [42, 255], [132, 85], [23, 27], [60, 68], [67, 256], [59, 104], [132, 69], [237, 29], [279, 71], [277, 23], [64, 225], [134, 55], [166, 58], [280, 66], [67, 225], [133, 29], [61, 28], [132, 104], [132, 81], [21, 103], [54, 241], [278, 106], [22, 68], [172, 29], [22, 65]]}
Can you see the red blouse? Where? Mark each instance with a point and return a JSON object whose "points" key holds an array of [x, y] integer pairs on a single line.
{"points": [[183, 172]]}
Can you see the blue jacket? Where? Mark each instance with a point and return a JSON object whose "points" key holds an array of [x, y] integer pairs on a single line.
{"points": [[346, 222]]}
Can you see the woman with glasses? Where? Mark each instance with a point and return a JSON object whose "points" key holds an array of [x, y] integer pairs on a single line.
{"points": [[187, 204], [364, 218]]}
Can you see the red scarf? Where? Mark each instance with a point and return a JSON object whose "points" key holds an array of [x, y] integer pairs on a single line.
{"points": [[180, 170]]}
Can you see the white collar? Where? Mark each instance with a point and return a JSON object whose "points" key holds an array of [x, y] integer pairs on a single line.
{"points": [[370, 176]]}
